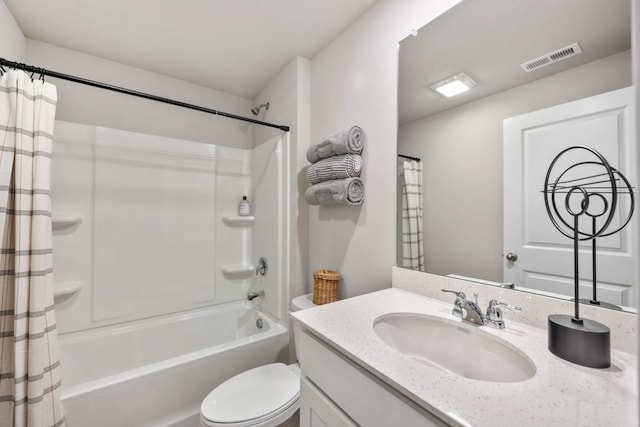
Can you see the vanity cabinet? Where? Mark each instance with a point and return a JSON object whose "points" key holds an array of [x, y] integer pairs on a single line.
{"points": [[317, 410], [337, 392]]}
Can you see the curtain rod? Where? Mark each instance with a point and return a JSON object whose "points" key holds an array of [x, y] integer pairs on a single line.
{"points": [[44, 72], [417, 159]]}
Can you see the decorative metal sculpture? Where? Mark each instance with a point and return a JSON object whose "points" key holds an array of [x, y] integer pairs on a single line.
{"points": [[587, 189]]}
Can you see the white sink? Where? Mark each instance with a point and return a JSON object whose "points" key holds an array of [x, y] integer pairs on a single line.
{"points": [[454, 346]]}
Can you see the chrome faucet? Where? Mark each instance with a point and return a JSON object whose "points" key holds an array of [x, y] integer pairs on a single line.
{"points": [[465, 309], [470, 310], [262, 267], [253, 295]]}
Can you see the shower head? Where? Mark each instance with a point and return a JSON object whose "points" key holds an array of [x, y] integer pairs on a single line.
{"points": [[256, 110]]}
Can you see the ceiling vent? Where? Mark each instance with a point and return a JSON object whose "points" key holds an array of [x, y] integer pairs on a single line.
{"points": [[550, 58]]}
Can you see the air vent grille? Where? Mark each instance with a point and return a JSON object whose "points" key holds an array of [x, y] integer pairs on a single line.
{"points": [[551, 57]]}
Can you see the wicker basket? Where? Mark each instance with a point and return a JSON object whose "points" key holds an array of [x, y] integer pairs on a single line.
{"points": [[325, 286]]}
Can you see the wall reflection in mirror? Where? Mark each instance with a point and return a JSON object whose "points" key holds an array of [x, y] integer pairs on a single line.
{"points": [[548, 75]]}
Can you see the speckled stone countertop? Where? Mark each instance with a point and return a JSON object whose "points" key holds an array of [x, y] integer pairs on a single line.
{"points": [[559, 394]]}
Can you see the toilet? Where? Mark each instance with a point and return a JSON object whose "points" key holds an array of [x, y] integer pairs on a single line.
{"points": [[266, 396]]}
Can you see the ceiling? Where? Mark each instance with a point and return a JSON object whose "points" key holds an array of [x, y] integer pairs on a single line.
{"points": [[489, 39], [236, 46]]}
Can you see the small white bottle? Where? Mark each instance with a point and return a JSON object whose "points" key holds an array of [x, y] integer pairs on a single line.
{"points": [[244, 207]]}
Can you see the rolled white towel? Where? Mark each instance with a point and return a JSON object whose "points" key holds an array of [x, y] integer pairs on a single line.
{"points": [[337, 167], [350, 141], [348, 191]]}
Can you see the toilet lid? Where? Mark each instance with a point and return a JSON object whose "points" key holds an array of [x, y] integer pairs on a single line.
{"points": [[251, 395]]}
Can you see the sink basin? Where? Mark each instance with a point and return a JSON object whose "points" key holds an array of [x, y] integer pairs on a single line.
{"points": [[454, 346]]}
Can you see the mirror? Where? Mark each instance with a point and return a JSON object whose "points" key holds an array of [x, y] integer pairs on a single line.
{"points": [[460, 139]]}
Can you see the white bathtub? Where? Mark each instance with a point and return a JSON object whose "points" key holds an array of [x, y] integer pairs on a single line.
{"points": [[156, 372]]}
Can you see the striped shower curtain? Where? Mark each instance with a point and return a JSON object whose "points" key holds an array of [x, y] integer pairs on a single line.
{"points": [[29, 366], [412, 241]]}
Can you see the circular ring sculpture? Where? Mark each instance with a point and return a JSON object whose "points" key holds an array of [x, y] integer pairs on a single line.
{"points": [[580, 185]]}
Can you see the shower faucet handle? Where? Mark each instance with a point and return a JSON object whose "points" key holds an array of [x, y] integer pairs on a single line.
{"points": [[262, 267]]}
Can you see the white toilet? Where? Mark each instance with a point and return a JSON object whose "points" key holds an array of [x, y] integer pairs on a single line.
{"points": [[266, 396]]}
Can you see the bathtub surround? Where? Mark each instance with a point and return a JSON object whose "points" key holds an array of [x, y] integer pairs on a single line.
{"points": [[167, 251], [29, 366]]}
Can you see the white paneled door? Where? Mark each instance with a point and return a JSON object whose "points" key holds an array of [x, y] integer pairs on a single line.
{"points": [[536, 255]]}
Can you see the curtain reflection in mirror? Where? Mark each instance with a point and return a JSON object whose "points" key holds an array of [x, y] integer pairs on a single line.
{"points": [[412, 238]]}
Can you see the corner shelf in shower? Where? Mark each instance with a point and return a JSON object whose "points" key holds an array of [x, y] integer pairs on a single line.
{"points": [[62, 222], [239, 271], [66, 289], [239, 221]]}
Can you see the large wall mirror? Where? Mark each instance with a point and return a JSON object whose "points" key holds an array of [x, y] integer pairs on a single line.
{"points": [[549, 74]]}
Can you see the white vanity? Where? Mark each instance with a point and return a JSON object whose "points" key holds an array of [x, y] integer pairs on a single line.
{"points": [[355, 373]]}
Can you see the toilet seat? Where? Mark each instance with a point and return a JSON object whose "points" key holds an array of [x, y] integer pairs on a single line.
{"points": [[264, 394]]}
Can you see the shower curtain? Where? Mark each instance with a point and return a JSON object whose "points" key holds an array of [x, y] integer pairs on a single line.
{"points": [[412, 241], [29, 366]]}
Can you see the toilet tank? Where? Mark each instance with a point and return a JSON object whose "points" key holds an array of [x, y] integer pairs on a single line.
{"points": [[301, 302]]}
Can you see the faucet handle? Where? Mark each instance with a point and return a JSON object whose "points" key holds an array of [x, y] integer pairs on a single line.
{"points": [[458, 309], [495, 304], [459, 294], [494, 313]]}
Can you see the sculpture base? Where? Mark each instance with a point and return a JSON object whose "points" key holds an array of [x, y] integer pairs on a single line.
{"points": [[587, 343]]}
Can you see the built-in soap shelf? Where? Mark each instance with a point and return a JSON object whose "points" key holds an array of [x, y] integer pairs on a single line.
{"points": [[62, 222], [66, 289], [238, 221], [238, 271]]}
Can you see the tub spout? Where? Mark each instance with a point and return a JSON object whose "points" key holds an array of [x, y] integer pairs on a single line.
{"points": [[253, 295]]}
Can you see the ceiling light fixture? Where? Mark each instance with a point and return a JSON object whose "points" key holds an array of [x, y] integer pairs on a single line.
{"points": [[454, 85]]}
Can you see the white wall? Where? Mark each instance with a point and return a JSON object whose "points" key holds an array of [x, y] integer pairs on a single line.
{"points": [[354, 81], [87, 105], [462, 179], [13, 45], [289, 97]]}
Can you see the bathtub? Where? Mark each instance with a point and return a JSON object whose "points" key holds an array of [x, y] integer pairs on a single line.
{"points": [[155, 372]]}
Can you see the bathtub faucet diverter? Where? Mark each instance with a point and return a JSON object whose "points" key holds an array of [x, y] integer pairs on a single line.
{"points": [[253, 295]]}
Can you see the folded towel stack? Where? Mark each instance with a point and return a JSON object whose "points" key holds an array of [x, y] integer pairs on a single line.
{"points": [[337, 164]]}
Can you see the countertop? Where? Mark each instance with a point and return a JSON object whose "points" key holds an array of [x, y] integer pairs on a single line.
{"points": [[559, 394]]}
